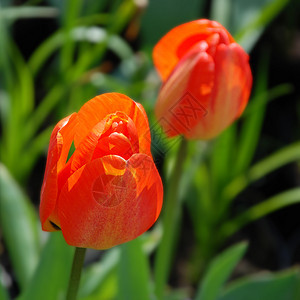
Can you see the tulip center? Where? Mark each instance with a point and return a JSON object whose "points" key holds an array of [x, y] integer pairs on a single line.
{"points": [[119, 137]]}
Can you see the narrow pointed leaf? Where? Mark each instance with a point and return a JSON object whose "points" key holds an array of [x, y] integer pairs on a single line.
{"points": [[278, 286], [133, 272], [219, 271], [19, 224], [52, 275]]}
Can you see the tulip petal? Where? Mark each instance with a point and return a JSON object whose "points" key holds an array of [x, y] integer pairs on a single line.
{"points": [[177, 42], [232, 87], [60, 142], [110, 201], [107, 137], [185, 96], [95, 110]]}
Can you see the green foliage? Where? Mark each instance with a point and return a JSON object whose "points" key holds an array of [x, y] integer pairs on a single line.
{"points": [[279, 286], [219, 271], [155, 23], [133, 272], [260, 210], [19, 227], [246, 20], [3, 291], [100, 279], [52, 274]]}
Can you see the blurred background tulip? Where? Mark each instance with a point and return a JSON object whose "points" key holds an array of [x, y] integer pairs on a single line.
{"points": [[206, 80]]}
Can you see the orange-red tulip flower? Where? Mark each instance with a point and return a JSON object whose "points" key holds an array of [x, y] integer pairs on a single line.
{"points": [[206, 80], [109, 191]]}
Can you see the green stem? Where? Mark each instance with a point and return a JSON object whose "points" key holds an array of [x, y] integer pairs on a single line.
{"points": [[171, 219], [75, 273]]}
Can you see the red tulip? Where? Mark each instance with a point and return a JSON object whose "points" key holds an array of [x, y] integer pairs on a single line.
{"points": [[206, 80], [109, 191]]}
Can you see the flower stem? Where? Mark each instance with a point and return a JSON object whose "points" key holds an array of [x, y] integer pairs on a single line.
{"points": [[171, 219], [75, 273]]}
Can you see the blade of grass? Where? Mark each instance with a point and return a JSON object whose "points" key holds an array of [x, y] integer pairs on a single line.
{"points": [[95, 275], [267, 96], [133, 272], [32, 153], [171, 219], [101, 275], [19, 227], [250, 33], [52, 274], [3, 291], [93, 19], [107, 289], [93, 6], [119, 20], [121, 16], [25, 93], [260, 210], [221, 11], [20, 12], [44, 51], [222, 159], [4, 42], [252, 124], [219, 271], [275, 286], [42, 111], [71, 13], [201, 209], [52, 98], [19, 107], [22, 105], [274, 161]]}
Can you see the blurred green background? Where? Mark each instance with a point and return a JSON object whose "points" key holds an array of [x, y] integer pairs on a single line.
{"points": [[55, 55]]}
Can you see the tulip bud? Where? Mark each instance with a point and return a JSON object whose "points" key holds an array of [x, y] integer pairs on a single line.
{"points": [[206, 80]]}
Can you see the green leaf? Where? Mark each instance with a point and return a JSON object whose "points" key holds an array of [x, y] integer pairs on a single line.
{"points": [[133, 272], [278, 286], [221, 11], [24, 96], [251, 126], [276, 160], [200, 205], [91, 34], [162, 16], [17, 12], [107, 289], [94, 276], [219, 271], [252, 17], [42, 111], [33, 151], [3, 291], [177, 294], [267, 96], [262, 209], [52, 275], [21, 106], [222, 159], [171, 221], [19, 226], [71, 13], [100, 279]]}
